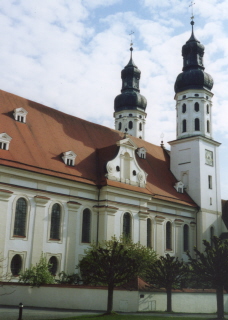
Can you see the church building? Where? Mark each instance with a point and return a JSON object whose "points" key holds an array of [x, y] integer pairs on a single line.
{"points": [[66, 182]]}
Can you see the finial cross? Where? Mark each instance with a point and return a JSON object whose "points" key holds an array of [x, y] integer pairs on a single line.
{"points": [[191, 5], [130, 34]]}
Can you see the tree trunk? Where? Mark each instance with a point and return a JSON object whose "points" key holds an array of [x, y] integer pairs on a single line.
{"points": [[220, 302], [169, 299], [110, 298]]}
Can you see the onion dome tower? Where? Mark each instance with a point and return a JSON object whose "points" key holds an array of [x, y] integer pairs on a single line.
{"points": [[193, 92], [130, 105], [194, 153]]}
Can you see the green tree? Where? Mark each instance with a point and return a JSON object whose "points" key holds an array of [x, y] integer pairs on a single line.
{"points": [[37, 275], [167, 272], [114, 263], [211, 266]]}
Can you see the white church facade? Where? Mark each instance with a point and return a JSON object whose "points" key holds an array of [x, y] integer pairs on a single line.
{"points": [[66, 182]]}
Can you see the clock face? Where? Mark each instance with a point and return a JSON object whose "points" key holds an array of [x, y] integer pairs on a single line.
{"points": [[209, 157]]}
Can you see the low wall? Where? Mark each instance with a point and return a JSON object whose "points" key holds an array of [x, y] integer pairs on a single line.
{"points": [[94, 298], [70, 297]]}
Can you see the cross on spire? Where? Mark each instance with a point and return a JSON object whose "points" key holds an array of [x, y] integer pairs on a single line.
{"points": [[191, 5]]}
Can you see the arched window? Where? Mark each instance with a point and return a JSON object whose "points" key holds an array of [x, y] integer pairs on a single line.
{"points": [[55, 222], [127, 225], [149, 234], [183, 108], [86, 225], [197, 124], [53, 265], [120, 126], [208, 126], [130, 125], [184, 125], [196, 107], [16, 264], [208, 110], [20, 218], [186, 237], [168, 236], [140, 126], [211, 236]]}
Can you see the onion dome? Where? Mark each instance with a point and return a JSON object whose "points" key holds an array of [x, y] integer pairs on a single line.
{"points": [[193, 75], [130, 97]]}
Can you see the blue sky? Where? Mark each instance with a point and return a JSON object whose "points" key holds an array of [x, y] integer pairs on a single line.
{"points": [[68, 54]]}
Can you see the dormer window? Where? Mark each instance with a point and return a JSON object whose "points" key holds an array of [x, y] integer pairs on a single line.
{"points": [[20, 115], [179, 186], [4, 141], [69, 158], [142, 153]]}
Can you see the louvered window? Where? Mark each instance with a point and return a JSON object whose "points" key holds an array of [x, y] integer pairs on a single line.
{"points": [[20, 218], [55, 222]]}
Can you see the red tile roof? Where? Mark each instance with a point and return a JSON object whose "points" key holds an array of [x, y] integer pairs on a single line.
{"points": [[38, 146]]}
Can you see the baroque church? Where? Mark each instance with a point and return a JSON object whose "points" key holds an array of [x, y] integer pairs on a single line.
{"points": [[66, 182]]}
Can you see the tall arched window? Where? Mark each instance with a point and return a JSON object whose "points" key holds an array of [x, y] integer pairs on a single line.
{"points": [[86, 225], [55, 222], [149, 233], [168, 236], [186, 237], [208, 109], [211, 236], [127, 225], [208, 126], [183, 108], [53, 265], [140, 126], [130, 125], [197, 124], [184, 125], [120, 126], [196, 107], [20, 218], [16, 264]]}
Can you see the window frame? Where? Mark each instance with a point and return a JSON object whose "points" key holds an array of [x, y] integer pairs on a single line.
{"points": [[127, 235], [62, 211], [168, 237], [52, 226], [13, 209], [90, 227], [186, 237], [149, 234], [184, 125]]}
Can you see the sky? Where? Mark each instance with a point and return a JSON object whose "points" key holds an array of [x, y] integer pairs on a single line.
{"points": [[68, 55]]}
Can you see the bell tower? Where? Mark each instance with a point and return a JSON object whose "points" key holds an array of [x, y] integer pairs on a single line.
{"points": [[130, 105], [194, 158]]}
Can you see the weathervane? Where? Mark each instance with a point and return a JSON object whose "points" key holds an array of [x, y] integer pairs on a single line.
{"points": [[191, 5]]}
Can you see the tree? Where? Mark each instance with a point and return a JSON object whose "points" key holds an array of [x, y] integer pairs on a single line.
{"points": [[114, 263], [211, 266], [167, 272], [37, 275]]}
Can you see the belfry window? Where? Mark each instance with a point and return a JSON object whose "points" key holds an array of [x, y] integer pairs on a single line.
{"points": [[184, 108], [210, 182], [140, 126], [20, 218], [168, 236], [120, 126], [197, 124], [55, 222], [86, 226], [208, 126], [149, 234], [130, 125], [196, 107], [127, 225], [186, 237], [16, 265], [184, 125]]}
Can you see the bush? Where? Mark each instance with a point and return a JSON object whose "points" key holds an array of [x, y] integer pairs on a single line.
{"points": [[64, 278], [37, 275]]}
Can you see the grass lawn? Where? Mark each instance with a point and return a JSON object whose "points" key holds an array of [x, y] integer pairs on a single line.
{"points": [[135, 317]]}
